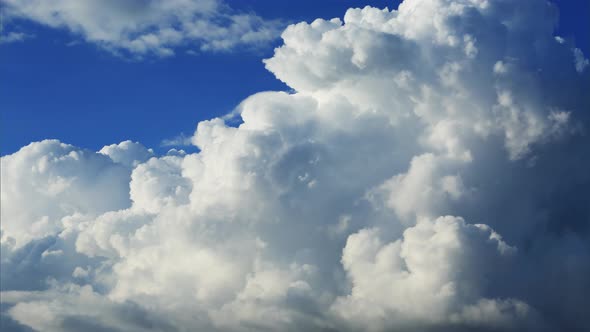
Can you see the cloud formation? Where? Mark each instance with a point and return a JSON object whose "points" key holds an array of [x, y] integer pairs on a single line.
{"points": [[14, 37], [428, 173], [149, 27]]}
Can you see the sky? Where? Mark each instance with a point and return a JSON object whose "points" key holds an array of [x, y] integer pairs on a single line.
{"points": [[86, 95], [57, 86], [230, 166]]}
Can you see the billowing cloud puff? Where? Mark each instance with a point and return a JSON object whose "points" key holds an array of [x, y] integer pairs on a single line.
{"points": [[437, 274], [127, 153], [47, 181], [429, 172], [140, 27]]}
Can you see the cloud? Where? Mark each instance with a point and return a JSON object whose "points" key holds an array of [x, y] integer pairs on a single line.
{"points": [[93, 312], [14, 37], [127, 153], [154, 27], [436, 266], [179, 140], [47, 181], [427, 173]]}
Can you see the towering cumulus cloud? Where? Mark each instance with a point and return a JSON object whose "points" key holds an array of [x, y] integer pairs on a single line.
{"points": [[429, 172]]}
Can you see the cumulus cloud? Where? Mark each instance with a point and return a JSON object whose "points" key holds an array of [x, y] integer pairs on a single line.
{"points": [[47, 181], [155, 27], [127, 153], [427, 173]]}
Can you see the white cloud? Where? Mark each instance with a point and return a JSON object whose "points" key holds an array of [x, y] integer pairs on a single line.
{"points": [[177, 141], [127, 153], [47, 181], [159, 183], [94, 312], [429, 172], [581, 61], [153, 27], [434, 273], [13, 37]]}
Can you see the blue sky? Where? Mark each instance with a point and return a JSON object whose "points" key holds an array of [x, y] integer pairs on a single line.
{"points": [[83, 95]]}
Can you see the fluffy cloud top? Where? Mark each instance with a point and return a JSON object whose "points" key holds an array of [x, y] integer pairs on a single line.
{"points": [[142, 27], [429, 172]]}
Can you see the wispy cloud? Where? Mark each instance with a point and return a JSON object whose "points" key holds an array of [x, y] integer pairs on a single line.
{"points": [[158, 27], [177, 141], [13, 37]]}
